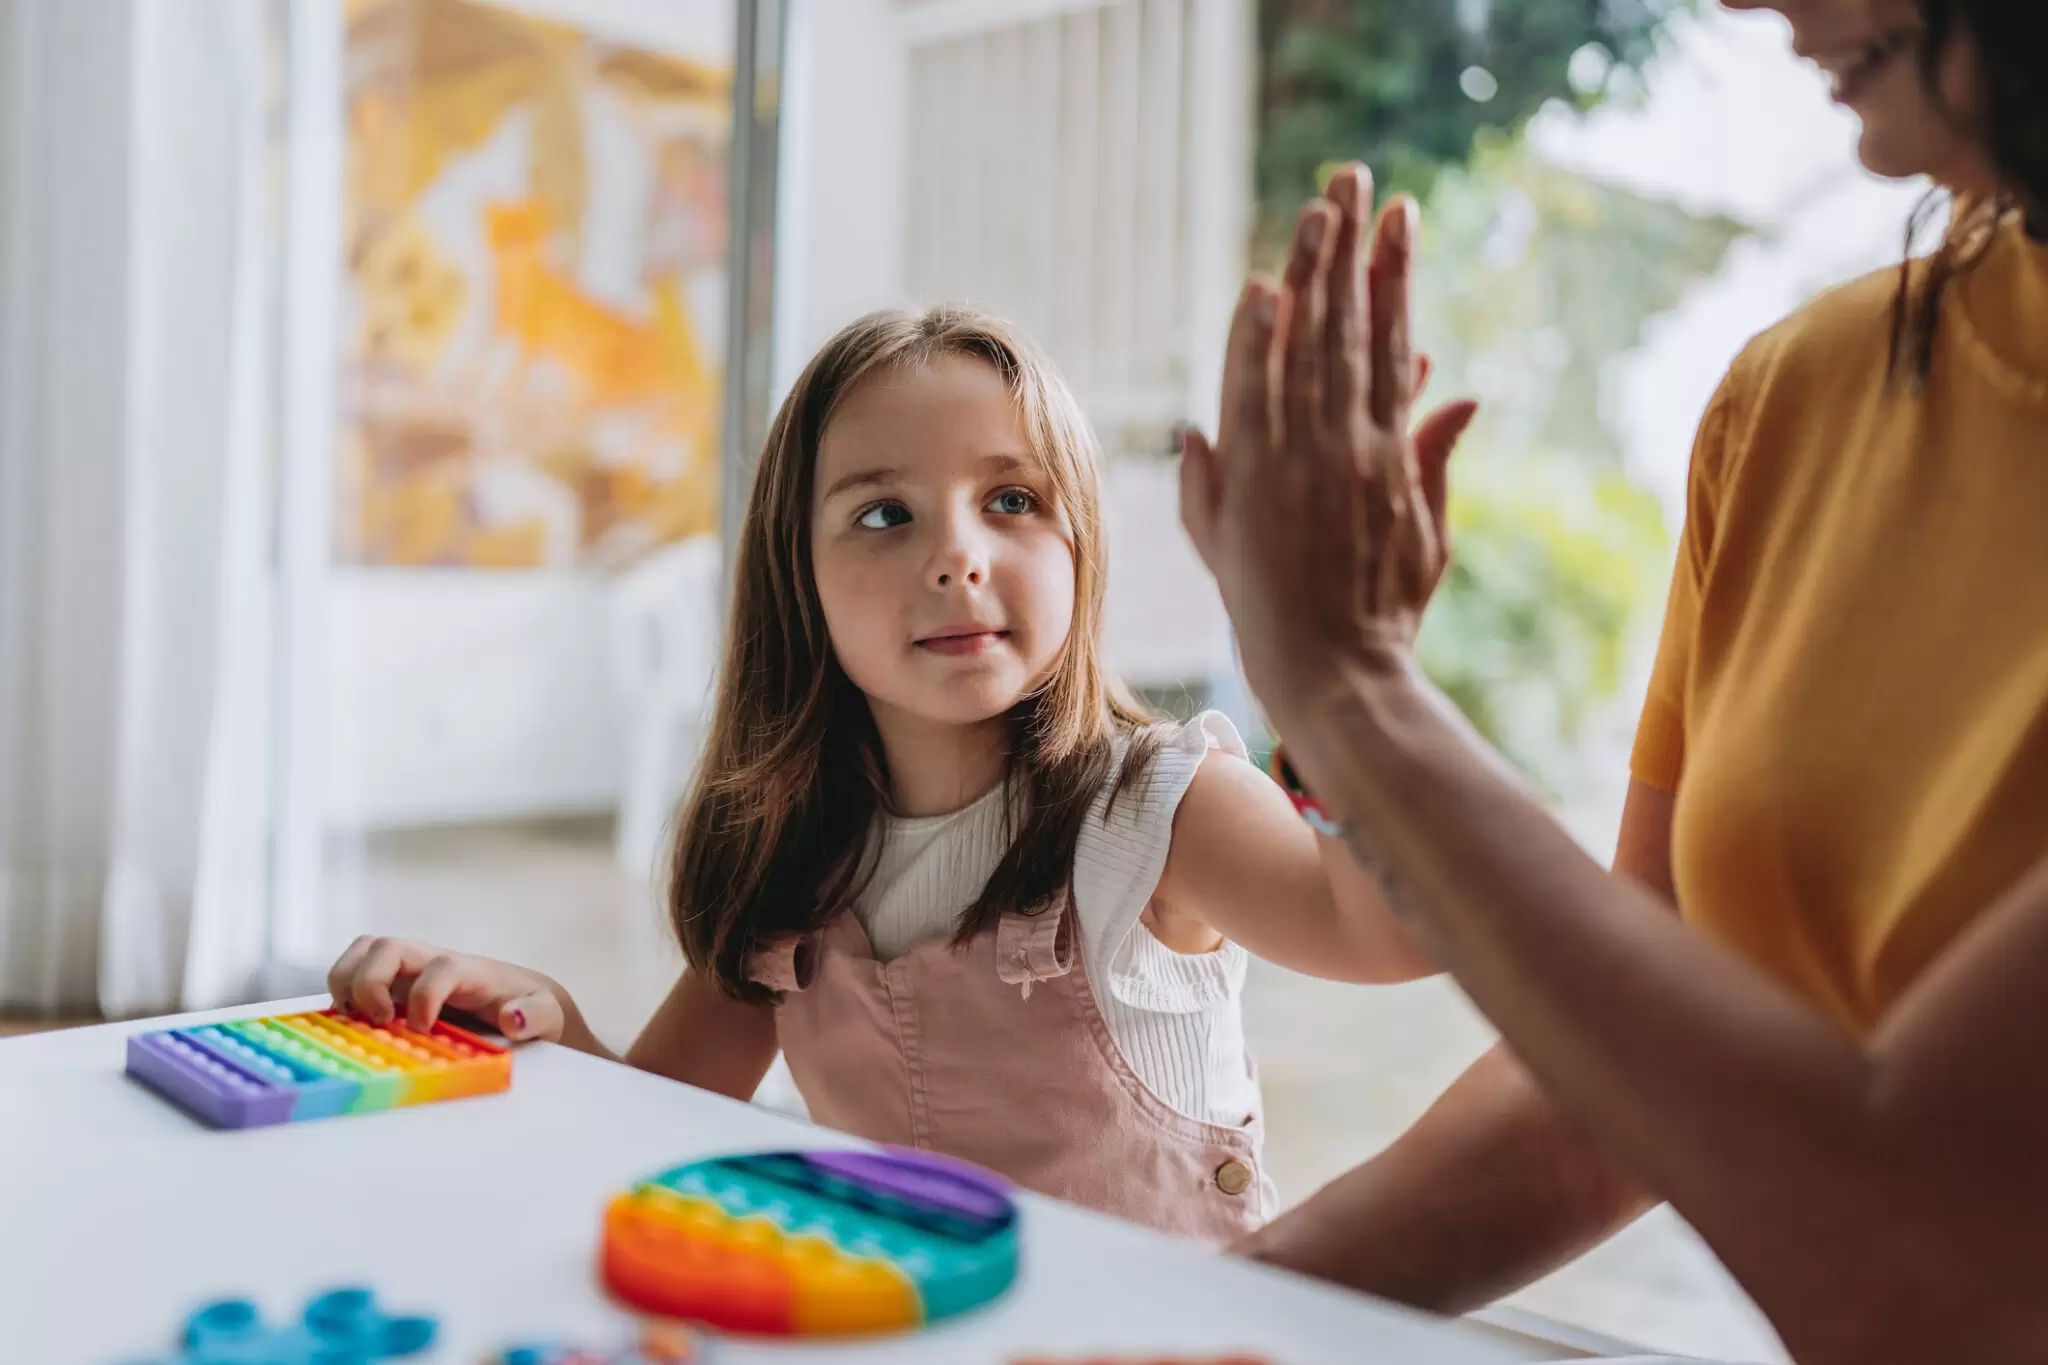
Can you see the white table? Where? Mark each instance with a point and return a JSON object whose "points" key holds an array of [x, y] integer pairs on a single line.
{"points": [[119, 1214]]}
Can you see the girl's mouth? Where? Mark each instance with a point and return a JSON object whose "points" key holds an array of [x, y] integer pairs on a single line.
{"points": [[965, 643]]}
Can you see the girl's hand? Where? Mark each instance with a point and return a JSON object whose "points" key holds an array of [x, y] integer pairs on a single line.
{"points": [[376, 975], [1320, 515]]}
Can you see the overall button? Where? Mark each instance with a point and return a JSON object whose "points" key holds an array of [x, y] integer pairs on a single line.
{"points": [[1233, 1177]]}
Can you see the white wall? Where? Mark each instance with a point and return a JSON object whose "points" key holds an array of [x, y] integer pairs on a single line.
{"points": [[469, 697], [841, 231], [843, 239], [458, 696]]}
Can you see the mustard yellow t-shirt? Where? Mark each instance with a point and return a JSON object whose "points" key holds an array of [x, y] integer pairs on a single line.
{"points": [[1851, 695]]}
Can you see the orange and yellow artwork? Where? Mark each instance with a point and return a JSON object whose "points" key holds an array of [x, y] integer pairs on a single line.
{"points": [[534, 290]]}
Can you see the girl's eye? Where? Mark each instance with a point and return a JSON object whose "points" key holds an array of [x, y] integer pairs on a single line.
{"points": [[883, 516], [1014, 502]]}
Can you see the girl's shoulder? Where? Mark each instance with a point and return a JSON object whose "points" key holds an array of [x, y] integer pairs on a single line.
{"points": [[1122, 848], [1178, 741]]}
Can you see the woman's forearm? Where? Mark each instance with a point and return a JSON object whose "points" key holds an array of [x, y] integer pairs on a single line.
{"points": [[1491, 1189], [1367, 922], [1732, 1098]]}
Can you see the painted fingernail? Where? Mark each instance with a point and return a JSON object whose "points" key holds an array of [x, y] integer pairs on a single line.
{"points": [[1312, 231], [517, 1019]]}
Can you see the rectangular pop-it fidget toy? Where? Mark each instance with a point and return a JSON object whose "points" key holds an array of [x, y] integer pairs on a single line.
{"points": [[249, 1073]]}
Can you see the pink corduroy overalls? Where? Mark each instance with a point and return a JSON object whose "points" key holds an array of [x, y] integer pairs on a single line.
{"points": [[998, 1054]]}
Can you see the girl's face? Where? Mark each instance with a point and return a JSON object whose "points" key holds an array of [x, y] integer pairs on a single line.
{"points": [[1873, 51], [944, 565]]}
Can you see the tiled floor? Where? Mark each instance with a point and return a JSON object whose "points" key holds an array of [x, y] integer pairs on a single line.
{"points": [[1345, 1068]]}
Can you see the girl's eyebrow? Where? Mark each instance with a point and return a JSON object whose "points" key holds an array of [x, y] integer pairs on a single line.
{"points": [[865, 478]]}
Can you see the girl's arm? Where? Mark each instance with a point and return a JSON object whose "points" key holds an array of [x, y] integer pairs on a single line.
{"points": [[702, 1037], [1246, 867], [697, 1036]]}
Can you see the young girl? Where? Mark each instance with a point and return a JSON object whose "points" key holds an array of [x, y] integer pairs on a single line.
{"points": [[982, 903]]}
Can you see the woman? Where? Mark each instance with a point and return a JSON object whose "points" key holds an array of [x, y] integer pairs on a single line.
{"points": [[1836, 1066]]}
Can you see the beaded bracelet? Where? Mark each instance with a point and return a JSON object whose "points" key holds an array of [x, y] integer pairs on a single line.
{"points": [[1305, 804]]}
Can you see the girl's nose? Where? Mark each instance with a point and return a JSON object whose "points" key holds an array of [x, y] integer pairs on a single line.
{"points": [[960, 559]]}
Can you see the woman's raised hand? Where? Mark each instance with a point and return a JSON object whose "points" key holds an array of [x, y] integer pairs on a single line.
{"points": [[1319, 511]]}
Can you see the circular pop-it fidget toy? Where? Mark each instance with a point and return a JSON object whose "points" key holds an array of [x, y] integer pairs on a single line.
{"points": [[812, 1243]]}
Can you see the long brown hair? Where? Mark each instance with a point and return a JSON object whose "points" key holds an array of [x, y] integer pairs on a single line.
{"points": [[2012, 61], [770, 840]]}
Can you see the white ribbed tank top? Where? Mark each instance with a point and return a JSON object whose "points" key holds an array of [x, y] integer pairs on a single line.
{"points": [[1177, 1018]]}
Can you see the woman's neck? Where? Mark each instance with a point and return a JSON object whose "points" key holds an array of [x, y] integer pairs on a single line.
{"points": [[937, 767]]}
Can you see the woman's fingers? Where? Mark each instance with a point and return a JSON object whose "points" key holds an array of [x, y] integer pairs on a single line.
{"points": [[1392, 350], [1349, 377], [1199, 492], [1245, 425], [1304, 327]]}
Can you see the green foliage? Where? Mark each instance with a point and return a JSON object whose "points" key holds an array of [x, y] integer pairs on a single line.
{"points": [[1532, 278], [1379, 80], [1552, 564]]}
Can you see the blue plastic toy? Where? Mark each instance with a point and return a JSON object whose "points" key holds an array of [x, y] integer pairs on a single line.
{"points": [[659, 1344], [340, 1327]]}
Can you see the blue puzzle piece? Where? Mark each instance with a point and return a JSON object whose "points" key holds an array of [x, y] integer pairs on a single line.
{"points": [[340, 1327]]}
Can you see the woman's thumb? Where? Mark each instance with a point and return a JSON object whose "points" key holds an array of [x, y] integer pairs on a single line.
{"points": [[1198, 491], [1435, 439], [535, 1015]]}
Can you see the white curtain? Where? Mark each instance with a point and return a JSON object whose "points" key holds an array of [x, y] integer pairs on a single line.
{"points": [[135, 661]]}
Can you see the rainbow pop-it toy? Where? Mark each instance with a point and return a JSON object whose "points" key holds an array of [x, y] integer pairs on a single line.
{"points": [[248, 1073], [813, 1243]]}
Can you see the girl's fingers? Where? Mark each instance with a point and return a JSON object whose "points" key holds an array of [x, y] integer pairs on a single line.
{"points": [[535, 1015], [1303, 328], [1392, 352], [341, 976], [1349, 377], [437, 981], [386, 960]]}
